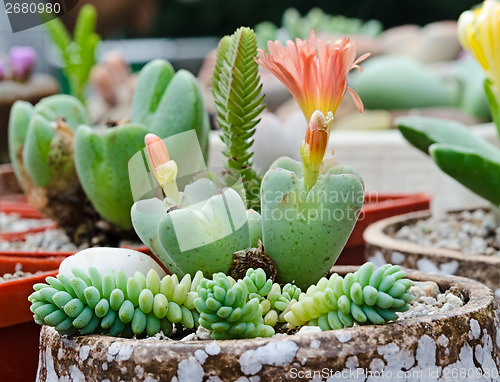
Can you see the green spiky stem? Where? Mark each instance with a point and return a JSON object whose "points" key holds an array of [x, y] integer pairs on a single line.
{"points": [[115, 304], [365, 296], [238, 100]]}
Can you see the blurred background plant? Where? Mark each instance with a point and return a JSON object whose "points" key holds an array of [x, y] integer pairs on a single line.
{"points": [[457, 151], [78, 54]]}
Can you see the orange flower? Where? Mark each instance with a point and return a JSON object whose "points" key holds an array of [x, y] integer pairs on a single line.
{"points": [[314, 72], [164, 169]]}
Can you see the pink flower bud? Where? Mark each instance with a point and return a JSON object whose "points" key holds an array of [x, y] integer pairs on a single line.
{"points": [[22, 60]]}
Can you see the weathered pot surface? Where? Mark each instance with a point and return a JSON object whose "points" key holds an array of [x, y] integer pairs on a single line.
{"points": [[426, 348], [383, 247]]}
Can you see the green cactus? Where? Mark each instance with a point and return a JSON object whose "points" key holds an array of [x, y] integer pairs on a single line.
{"points": [[60, 161], [202, 236], [304, 232], [115, 304], [78, 55], [457, 151], [238, 100], [227, 312], [363, 297]]}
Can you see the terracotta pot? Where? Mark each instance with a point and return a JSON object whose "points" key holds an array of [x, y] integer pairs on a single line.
{"points": [[383, 247], [442, 344], [376, 207], [18, 333]]}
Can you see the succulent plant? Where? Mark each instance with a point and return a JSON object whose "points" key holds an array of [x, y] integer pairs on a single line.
{"points": [[294, 25], [115, 304], [457, 151], [308, 213], [196, 229], [297, 225], [238, 100], [363, 297], [78, 55], [226, 310], [78, 175]]}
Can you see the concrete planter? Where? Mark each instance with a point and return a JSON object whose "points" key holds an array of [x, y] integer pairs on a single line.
{"points": [[426, 348], [382, 247]]}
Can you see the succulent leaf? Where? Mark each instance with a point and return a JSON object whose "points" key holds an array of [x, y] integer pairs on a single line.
{"points": [[238, 100], [131, 308], [340, 302], [235, 316]]}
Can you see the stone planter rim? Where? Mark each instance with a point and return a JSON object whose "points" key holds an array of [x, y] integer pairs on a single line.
{"points": [[272, 358], [477, 295], [376, 234]]}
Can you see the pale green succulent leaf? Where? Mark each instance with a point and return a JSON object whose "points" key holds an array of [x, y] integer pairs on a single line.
{"points": [[101, 161]]}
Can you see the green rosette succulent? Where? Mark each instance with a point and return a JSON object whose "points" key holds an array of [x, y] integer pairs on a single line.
{"points": [[366, 296], [60, 161], [201, 231], [115, 304], [225, 309], [305, 231]]}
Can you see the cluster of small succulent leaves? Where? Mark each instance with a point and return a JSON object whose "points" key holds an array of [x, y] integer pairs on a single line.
{"points": [[238, 100], [115, 304], [78, 55], [366, 296], [232, 309]]}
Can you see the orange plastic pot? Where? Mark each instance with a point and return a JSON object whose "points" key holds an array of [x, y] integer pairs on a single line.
{"points": [[19, 334], [378, 206]]}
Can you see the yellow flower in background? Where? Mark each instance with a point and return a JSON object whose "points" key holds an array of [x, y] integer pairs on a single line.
{"points": [[479, 34]]}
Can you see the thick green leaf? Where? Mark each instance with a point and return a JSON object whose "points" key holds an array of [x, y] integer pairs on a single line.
{"points": [[474, 170], [152, 83], [36, 150], [181, 109], [101, 160], [422, 132], [66, 107], [19, 121]]}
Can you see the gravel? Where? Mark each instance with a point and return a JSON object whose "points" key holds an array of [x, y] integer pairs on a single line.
{"points": [[428, 300], [15, 223], [470, 232], [18, 274], [48, 240]]}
